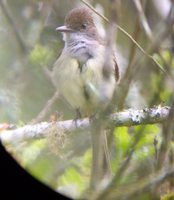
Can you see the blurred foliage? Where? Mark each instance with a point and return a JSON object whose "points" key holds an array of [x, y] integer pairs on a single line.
{"points": [[25, 89], [40, 55], [169, 196]]}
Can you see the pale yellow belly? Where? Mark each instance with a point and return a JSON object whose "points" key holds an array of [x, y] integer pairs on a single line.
{"points": [[80, 88]]}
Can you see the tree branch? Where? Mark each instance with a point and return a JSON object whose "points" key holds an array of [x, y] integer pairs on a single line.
{"points": [[128, 118]]}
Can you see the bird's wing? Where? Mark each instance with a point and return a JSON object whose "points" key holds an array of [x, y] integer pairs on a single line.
{"points": [[116, 69]]}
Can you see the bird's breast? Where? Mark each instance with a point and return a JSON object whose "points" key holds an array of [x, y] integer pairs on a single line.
{"points": [[79, 82]]}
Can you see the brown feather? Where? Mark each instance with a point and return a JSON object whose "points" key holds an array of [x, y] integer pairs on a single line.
{"points": [[116, 68]]}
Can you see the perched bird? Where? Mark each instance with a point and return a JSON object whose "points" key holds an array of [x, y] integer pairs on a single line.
{"points": [[78, 72]]}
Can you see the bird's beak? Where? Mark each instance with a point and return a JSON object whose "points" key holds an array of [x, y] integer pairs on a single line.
{"points": [[64, 29]]}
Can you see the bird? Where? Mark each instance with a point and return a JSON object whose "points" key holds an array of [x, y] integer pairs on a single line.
{"points": [[78, 71]]}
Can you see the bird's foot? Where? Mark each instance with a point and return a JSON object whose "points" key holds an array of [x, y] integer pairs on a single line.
{"points": [[78, 116]]}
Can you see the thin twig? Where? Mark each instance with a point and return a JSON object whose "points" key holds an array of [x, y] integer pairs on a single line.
{"points": [[47, 108], [167, 134], [125, 164], [14, 27], [154, 41], [143, 20], [127, 77], [126, 34], [142, 186]]}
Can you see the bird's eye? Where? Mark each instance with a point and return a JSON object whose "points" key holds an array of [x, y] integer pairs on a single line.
{"points": [[84, 26]]}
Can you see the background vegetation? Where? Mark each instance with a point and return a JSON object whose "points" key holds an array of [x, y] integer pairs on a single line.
{"points": [[142, 156]]}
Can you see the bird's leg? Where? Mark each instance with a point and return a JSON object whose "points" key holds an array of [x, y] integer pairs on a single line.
{"points": [[78, 116]]}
